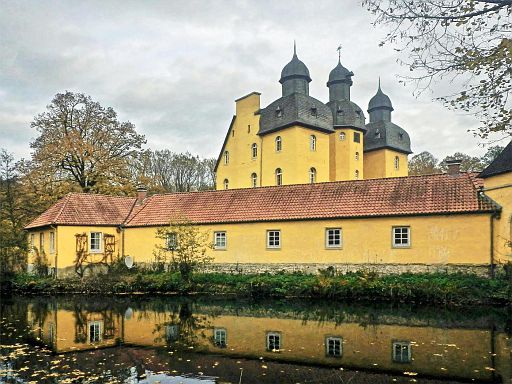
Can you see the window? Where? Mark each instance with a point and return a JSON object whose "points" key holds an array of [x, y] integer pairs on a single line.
{"points": [[249, 128], [219, 240], [52, 242], [401, 237], [314, 112], [171, 241], [279, 176], [254, 150], [333, 238], [279, 144], [312, 143], [340, 111], [357, 156], [219, 337], [333, 346], [377, 134], [274, 239], [273, 341], [400, 136], [397, 163], [95, 242], [342, 136], [357, 137], [312, 175], [32, 240], [254, 180], [95, 332], [41, 242], [226, 184], [279, 112], [172, 332], [356, 175], [402, 351], [226, 157]]}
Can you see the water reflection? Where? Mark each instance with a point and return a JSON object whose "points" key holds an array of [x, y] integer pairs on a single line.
{"points": [[172, 340]]}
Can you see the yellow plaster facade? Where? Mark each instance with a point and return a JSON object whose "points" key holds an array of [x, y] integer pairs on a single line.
{"points": [[385, 163]]}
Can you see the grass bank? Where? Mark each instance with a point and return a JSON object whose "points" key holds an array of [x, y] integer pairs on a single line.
{"points": [[359, 286]]}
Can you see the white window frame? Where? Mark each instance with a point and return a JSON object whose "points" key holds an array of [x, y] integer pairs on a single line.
{"points": [[279, 176], [335, 351], [357, 156], [397, 163], [327, 237], [171, 241], [96, 336], [404, 346], [41, 242], [32, 240], [226, 157], [220, 337], [96, 250], [312, 175], [271, 233], [273, 335], [254, 151], [220, 235], [394, 233], [356, 174], [342, 136], [312, 143], [279, 144], [254, 180], [52, 242], [226, 184]]}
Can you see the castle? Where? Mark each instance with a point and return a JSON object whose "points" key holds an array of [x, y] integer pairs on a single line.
{"points": [[303, 185], [298, 139]]}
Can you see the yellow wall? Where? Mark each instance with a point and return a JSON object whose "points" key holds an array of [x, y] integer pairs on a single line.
{"points": [[343, 163], [296, 158], [35, 249], [240, 138], [381, 163], [447, 239], [501, 192]]}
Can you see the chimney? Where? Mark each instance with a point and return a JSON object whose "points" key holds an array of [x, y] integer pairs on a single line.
{"points": [[453, 166], [142, 192]]}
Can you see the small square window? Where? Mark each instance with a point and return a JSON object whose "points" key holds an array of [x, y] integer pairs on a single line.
{"points": [[333, 346], [220, 337], [401, 237], [274, 239], [333, 238], [220, 240], [357, 137], [274, 341], [95, 242], [171, 241], [402, 352], [342, 136]]}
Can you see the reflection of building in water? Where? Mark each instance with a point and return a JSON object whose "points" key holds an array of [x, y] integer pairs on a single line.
{"points": [[458, 351]]}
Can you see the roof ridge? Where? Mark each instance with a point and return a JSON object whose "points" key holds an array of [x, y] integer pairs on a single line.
{"points": [[100, 194]]}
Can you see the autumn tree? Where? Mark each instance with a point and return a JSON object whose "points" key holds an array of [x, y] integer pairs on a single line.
{"points": [[423, 163], [467, 42], [491, 154], [84, 143], [468, 163], [184, 248]]}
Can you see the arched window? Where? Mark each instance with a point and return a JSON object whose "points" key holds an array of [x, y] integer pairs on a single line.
{"points": [[397, 163], [279, 144], [279, 176], [254, 150], [312, 142], [226, 157], [254, 180], [342, 136], [357, 156], [312, 175], [226, 184], [357, 174]]}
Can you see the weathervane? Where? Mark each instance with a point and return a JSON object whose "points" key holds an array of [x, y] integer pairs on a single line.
{"points": [[339, 53]]}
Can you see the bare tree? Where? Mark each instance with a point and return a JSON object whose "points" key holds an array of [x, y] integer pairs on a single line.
{"points": [[465, 41]]}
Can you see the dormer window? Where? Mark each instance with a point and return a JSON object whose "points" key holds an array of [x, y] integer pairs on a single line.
{"points": [[340, 112], [401, 136], [377, 134], [279, 112], [314, 112]]}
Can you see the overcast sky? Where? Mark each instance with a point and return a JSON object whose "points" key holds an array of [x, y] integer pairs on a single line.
{"points": [[174, 68]]}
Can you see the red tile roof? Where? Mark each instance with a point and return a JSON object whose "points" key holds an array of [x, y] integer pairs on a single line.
{"points": [[414, 195], [86, 209]]}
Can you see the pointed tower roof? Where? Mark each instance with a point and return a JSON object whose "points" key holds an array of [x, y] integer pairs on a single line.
{"points": [[380, 101], [295, 69]]}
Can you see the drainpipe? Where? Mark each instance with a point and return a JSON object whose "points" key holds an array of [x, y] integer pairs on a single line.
{"points": [[55, 249], [492, 245]]}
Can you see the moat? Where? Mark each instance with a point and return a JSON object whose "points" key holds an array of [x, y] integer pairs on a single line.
{"points": [[138, 339]]}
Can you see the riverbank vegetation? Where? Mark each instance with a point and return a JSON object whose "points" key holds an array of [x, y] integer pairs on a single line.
{"points": [[443, 288]]}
